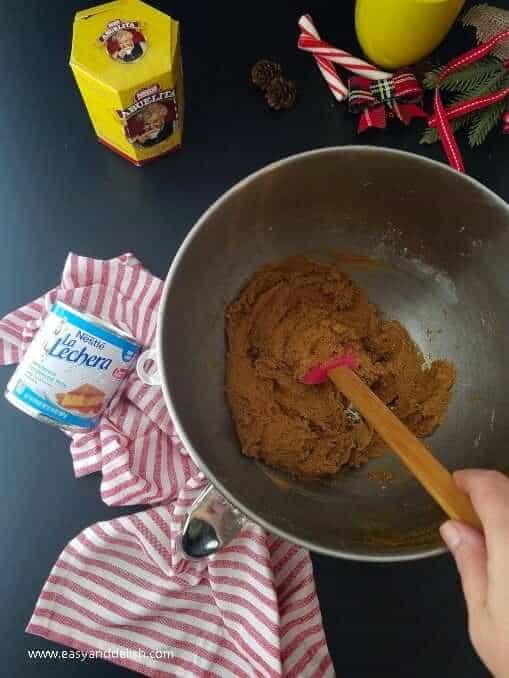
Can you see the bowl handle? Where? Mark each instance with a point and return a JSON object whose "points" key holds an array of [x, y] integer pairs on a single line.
{"points": [[212, 523], [146, 367]]}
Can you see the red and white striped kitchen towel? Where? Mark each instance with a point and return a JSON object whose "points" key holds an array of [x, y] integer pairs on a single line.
{"points": [[121, 589]]}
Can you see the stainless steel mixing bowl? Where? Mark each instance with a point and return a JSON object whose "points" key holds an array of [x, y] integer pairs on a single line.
{"points": [[431, 248]]}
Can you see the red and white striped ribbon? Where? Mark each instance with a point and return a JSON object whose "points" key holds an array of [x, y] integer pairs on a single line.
{"points": [[326, 55], [442, 116], [121, 589]]}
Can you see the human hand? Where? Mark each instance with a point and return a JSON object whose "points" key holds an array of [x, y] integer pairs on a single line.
{"points": [[483, 564]]}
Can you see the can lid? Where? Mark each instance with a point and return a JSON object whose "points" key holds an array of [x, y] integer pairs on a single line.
{"points": [[123, 44]]}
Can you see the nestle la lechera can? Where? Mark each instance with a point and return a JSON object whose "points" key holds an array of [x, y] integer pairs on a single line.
{"points": [[71, 369]]}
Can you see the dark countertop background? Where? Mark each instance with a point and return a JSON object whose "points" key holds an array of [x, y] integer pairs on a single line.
{"points": [[62, 191]]}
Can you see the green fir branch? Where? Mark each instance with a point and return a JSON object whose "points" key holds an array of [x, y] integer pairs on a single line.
{"points": [[497, 82], [472, 77], [492, 84], [430, 135], [486, 119], [483, 122]]}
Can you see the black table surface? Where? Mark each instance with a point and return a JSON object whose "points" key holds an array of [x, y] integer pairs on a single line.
{"points": [[62, 191]]}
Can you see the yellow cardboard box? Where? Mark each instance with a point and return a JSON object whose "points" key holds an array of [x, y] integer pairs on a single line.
{"points": [[126, 60]]}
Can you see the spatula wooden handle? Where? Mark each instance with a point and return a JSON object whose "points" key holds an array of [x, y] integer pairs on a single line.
{"points": [[434, 477]]}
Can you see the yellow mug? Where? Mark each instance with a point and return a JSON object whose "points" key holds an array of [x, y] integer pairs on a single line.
{"points": [[395, 33]]}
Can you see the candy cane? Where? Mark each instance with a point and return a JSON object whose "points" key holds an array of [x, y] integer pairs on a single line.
{"points": [[325, 55]]}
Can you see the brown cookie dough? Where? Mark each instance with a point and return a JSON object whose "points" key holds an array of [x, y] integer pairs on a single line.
{"points": [[293, 315]]}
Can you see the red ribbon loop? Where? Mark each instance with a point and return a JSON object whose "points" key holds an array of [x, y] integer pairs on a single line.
{"points": [[399, 96]]}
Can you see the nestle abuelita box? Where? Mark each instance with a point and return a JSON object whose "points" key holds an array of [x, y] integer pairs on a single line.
{"points": [[126, 60]]}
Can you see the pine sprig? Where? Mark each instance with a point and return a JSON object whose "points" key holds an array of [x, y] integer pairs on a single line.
{"points": [[491, 84], [483, 122], [492, 76], [473, 76], [430, 135], [486, 119]]}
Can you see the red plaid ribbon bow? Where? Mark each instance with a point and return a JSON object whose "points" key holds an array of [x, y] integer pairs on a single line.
{"points": [[442, 116], [399, 96]]}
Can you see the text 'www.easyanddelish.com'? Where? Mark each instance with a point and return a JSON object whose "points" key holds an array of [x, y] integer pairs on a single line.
{"points": [[108, 655]]}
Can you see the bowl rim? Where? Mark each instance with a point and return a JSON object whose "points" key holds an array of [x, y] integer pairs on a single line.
{"points": [[186, 243]]}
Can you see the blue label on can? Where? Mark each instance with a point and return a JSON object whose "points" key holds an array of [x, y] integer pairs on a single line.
{"points": [[25, 394], [129, 348]]}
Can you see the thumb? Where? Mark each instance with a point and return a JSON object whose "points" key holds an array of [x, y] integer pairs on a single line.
{"points": [[469, 550]]}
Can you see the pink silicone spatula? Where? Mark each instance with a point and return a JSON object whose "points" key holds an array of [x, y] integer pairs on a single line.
{"points": [[432, 475]]}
